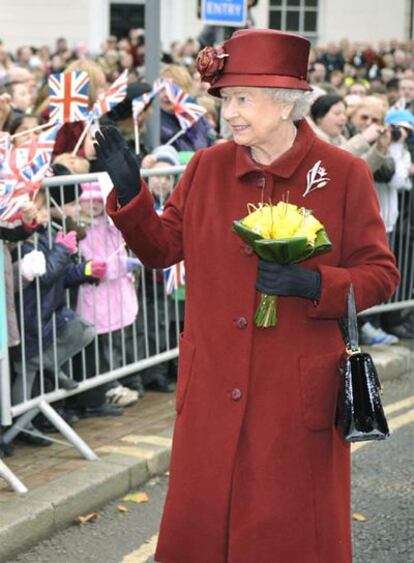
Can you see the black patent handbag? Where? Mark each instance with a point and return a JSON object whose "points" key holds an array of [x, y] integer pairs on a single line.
{"points": [[361, 415]]}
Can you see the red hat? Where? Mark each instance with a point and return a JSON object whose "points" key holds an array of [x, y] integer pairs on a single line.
{"points": [[256, 57]]}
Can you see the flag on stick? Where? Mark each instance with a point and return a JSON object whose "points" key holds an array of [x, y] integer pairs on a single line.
{"points": [[12, 198], [189, 114], [186, 111], [68, 94], [141, 103], [111, 97], [174, 277], [23, 171]]}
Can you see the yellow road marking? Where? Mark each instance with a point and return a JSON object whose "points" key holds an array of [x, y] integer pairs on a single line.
{"points": [[153, 440], [142, 554], [394, 423], [127, 450], [399, 405]]}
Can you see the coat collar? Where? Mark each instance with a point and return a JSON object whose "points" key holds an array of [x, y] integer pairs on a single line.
{"points": [[284, 166]]}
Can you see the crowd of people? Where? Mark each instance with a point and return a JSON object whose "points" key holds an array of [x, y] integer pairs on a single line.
{"points": [[362, 101]]}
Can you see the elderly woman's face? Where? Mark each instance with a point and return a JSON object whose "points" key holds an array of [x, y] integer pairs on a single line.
{"points": [[366, 116], [253, 115]]}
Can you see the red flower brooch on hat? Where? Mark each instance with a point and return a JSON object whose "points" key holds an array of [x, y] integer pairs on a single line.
{"points": [[210, 63]]}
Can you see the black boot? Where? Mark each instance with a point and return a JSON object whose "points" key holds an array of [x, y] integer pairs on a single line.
{"points": [[162, 384], [6, 450], [66, 382]]}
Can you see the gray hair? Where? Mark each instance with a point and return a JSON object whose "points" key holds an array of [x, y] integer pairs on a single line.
{"points": [[300, 99]]}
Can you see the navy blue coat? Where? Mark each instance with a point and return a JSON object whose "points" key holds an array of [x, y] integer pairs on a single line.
{"points": [[196, 137], [61, 273]]}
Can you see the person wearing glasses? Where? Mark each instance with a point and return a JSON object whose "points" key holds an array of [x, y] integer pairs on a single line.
{"points": [[363, 134]]}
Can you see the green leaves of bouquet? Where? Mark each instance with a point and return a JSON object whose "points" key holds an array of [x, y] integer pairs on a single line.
{"points": [[282, 233]]}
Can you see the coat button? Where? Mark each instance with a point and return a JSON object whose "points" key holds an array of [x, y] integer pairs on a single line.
{"points": [[236, 394], [241, 322], [260, 182], [248, 250]]}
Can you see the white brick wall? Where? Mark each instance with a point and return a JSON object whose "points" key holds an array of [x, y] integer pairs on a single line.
{"points": [[40, 22], [363, 20]]}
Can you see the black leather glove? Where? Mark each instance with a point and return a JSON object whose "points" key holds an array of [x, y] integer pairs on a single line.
{"points": [[274, 279], [122, 165]]}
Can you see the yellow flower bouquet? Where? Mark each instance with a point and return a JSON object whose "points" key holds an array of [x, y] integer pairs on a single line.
{"points": [[282, 233]]}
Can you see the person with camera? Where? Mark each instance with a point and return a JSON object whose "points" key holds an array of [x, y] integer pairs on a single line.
{"points": [[401, 126], [365, 136]]}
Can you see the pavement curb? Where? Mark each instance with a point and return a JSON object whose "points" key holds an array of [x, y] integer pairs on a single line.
{"points": [[392, 361], [27, 519]]}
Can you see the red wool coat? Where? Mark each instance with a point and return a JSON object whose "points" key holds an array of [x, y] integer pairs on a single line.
{"points": [[259, 473]]}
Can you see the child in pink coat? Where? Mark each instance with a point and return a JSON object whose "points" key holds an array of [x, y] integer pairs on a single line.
{"points": [[111, 305]]}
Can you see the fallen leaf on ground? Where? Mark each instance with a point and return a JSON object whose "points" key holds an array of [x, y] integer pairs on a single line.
{"points": [[137, 497], [359, 517], [88, 518], [122, 508]]}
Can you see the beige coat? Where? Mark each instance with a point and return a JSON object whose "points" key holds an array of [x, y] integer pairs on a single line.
{"points": [[356, 145]]}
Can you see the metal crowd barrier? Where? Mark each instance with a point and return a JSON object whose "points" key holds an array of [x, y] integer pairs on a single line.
{"points": [[402, 244], [151, 339]]}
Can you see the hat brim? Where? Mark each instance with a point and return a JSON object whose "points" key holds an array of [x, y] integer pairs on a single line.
{"points": [[258, 81], [167, 160], [405, 124]]}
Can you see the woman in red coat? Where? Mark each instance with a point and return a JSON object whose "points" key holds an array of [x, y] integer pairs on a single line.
{"points": [[259, 472]]}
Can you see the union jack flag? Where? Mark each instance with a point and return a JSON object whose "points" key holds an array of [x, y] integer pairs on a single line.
{"points": [[174, 277], [17, 158], [68, 93], [36, 169], [186, 111], [111, 97], [12, 197], [175, 95], [190, 113], [141, 103], [23, 171]]}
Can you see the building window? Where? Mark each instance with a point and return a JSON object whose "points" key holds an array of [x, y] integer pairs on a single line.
{"points": [[294, 15], [125, 15]]}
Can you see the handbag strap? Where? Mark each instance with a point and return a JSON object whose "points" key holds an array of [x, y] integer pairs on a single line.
{"points": [[349, 324]]}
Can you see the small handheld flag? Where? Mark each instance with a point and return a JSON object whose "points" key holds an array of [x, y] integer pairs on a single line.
{"points": [[68, 94], [112, 96], [174, 277], [141, 103]]}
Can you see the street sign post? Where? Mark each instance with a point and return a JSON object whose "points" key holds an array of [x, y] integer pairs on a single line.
{"points": [[152, 63], [232, 13]]}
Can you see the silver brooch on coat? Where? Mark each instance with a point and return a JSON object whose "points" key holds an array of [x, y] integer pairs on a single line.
{"points": [[316, 178]]}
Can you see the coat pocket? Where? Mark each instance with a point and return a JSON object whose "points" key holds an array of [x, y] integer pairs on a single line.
{"points": [[319, 383], [185, 364]]}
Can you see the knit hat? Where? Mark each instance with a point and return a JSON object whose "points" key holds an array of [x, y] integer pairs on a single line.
{"points": [[62, 195], [401, 118], [91, 190], [166, 153]]}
